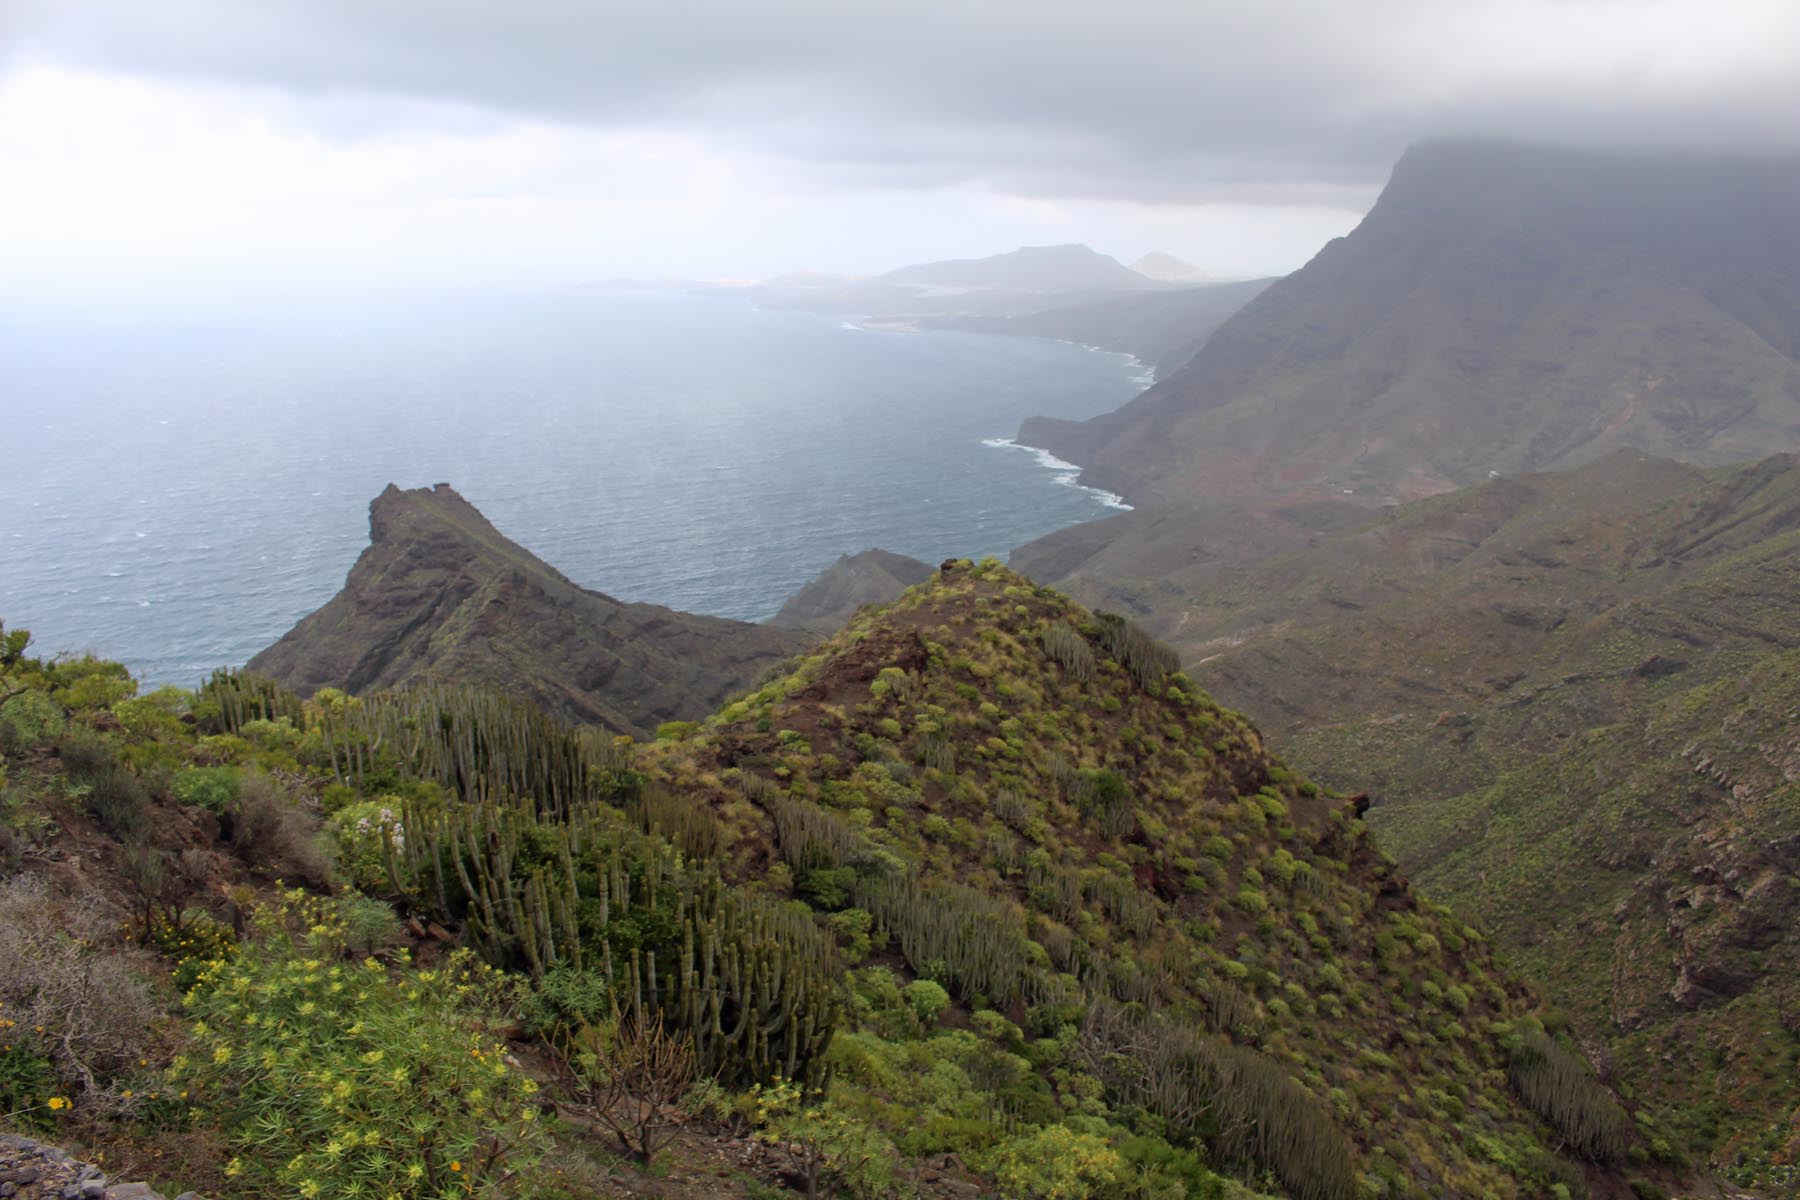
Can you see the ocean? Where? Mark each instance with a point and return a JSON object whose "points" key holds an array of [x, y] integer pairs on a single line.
{"points": [[176, 493]]}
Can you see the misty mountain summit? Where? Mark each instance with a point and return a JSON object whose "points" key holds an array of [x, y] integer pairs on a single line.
{"points": [[1503, 308]]}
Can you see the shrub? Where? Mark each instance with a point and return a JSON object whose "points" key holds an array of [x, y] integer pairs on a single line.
{"points": [[1054, 1163], [633, 1075], [564, 999], [362, 832], [29, 719], [338, 1079], [928, 1000], [829, 1149], [268, 829], [213, 788], [113, 794], [94, 1014]]}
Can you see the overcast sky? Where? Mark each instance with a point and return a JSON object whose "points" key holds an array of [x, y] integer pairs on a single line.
{"points": [[319, 143]]}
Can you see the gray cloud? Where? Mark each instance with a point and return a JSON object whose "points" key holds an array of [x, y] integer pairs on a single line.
{"points": [[1273, 101]]}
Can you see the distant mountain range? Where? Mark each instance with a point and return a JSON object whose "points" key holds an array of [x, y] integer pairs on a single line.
{"points": [[1170, 269], [1501, 309], [1052, 269]]}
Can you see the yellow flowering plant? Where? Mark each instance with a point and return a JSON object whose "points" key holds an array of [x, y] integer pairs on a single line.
{"points": [[340, 1079]]}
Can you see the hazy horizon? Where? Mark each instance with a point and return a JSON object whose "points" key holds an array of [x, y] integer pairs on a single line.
{"points": [[204, 148]]}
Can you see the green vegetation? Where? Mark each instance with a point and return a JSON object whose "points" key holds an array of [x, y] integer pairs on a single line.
{"points": [[933, 894]]}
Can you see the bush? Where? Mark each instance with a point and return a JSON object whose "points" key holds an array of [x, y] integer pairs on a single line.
{"points": [[339, 1079], [113, 794], [362, 832], [928, 1000], [1054, 1163], [564, 999], [94, 1014], [29, 719], [213, 788], [269, 830]]}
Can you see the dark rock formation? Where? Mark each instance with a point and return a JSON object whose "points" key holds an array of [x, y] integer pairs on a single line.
{"points": [[872, 577], [441, 594]]}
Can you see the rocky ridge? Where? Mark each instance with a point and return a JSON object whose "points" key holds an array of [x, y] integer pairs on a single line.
{"points": [[441, 594]]}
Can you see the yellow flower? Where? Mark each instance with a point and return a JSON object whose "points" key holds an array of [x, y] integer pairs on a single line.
{"points": [[455, 1166], [57, 1103]]}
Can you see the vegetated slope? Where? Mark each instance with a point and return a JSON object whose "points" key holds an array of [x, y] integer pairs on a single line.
{"points": [[1066, 835], [1172, 960], [1503, 309], [440, 594], [1164, 329], [871, 577], [1573, 695]]}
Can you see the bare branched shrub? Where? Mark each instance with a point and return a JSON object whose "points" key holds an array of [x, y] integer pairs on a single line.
{"points": [[95, 1013], [269, 829], [632, 1075]]}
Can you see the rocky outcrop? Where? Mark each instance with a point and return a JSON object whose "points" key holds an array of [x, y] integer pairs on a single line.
{"points": [[440, 594], [872, 577]]}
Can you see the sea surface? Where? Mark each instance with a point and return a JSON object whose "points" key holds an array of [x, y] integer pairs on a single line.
{"points": [[176, 492]]}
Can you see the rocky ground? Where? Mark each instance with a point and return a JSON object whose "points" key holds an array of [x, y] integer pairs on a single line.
{"points": [[31, 1170]]}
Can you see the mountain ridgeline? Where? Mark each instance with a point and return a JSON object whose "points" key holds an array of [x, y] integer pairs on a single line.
{"points": [[441, 594]]}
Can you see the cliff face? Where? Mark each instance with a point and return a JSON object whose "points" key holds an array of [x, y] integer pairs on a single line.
{"points": [[872, 577], [441, 594], [1502, 309]]}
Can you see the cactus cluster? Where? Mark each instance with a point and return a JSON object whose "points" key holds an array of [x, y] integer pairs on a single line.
{"points": [[1559, 1087], [1065, 645], [231, 699], [755, 983], [478, 744], [975, 937], [1125, 642], [1242, 1103]]}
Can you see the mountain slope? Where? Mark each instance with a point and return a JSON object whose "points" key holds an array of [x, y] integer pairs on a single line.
{"points": [[1033, 809], [440, 594], [1501, 309], [1164, 329], [1573, 696], [871, 577]]}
